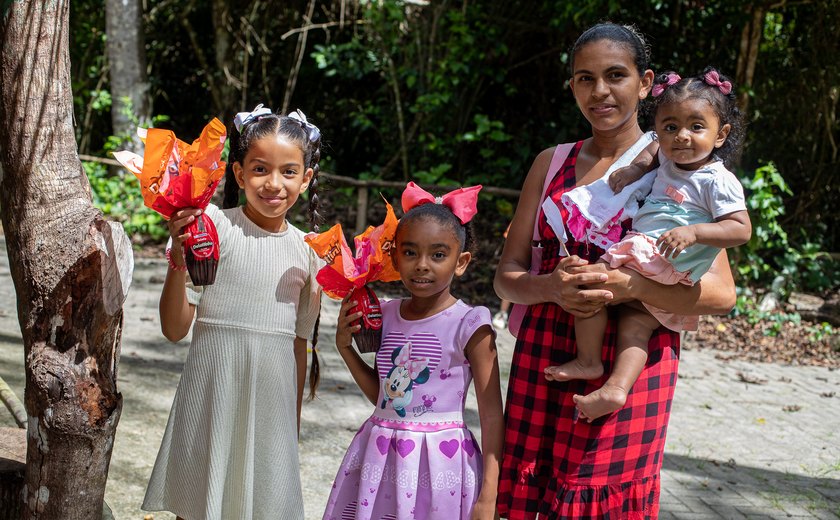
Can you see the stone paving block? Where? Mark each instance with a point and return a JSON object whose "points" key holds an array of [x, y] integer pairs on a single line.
{"points": [[824, 514], [796, 509], [729, 512], [711, 515], [732, 500], [695, 504], [675, 506]]}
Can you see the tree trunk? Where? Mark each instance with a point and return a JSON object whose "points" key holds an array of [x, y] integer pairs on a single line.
{"points": [[748, 54], [224, 57], [130, 103], [71, 270]]}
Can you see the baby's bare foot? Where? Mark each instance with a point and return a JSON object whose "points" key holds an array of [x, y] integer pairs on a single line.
{"points": [[603, 401], [574, 369]]}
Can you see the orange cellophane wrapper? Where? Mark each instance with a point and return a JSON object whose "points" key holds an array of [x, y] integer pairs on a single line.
{"points": [[372, 262], [174, 174]]}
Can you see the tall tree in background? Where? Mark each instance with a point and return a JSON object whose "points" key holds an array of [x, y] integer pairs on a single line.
{"points": [[71, 270], [130, 103]]}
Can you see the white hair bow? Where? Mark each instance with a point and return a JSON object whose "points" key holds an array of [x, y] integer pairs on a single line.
{"points": [[243, 118]]}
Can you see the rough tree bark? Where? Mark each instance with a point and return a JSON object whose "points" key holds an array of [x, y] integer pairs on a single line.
{"points": [[748, 53], [130, 103], [71, 270]]}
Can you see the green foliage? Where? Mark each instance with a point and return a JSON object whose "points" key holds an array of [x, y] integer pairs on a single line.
{"points": [[802, 264], [433, 68], [774, 321], [470, 92], [119, 199]]}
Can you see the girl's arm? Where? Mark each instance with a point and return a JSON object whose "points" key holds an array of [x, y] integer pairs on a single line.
{"points": [[364, 375], [646, 161], [730, 230], [300, 347], [514, 283], [481, 353], [176, 313], [713, 294]]}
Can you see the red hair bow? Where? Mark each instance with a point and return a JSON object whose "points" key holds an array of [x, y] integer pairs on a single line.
{"points": [[463, 201], [713, 78]]}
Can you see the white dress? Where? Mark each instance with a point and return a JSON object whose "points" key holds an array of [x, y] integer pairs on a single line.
{"points": [[230, 448]]}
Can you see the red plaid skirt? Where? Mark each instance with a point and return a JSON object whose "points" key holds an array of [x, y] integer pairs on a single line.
{"points": [[557, 467]]}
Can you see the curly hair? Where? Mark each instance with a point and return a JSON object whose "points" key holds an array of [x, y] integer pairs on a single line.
{"points": [[725, 105]]}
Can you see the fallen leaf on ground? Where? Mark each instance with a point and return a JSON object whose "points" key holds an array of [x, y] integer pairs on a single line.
{"points": [[793, 343], [751, 379]]}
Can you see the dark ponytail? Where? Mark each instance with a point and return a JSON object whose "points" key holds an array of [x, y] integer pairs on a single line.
{"points": [[315, 367], [230, 198], [314, 201]]}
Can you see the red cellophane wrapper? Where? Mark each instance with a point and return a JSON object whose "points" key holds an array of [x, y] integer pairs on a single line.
{"points": [[346, 273], [175, 175]]}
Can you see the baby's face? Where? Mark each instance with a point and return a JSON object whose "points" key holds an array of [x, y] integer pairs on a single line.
{"points": [[689, 131]]}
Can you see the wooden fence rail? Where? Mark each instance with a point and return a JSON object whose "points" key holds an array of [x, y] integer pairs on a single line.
{"points": [[363, 188]]}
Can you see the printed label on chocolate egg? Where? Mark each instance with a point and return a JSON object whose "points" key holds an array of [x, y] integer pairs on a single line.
{"points": [[370, 309], [203, 249]]}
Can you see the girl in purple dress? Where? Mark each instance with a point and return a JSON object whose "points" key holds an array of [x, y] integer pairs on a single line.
{"points": [[415, 457]]}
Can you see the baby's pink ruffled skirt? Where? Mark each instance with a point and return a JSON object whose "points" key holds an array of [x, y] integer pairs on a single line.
{"points": [[638, 251]]}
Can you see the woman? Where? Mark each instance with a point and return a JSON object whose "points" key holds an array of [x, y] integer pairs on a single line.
{"points": [[553, 464]]}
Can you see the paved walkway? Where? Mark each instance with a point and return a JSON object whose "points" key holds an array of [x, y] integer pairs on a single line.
{"points": [[746, 440]]}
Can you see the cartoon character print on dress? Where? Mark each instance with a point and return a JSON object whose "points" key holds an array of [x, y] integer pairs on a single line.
{"points": [[398, 384], [423, 345], [350, 511]]}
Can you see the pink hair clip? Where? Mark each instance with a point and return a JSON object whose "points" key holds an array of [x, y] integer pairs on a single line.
{"points": [[713, 78], [659, 88]]}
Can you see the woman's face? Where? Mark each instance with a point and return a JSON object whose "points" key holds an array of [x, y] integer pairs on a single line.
{"points": [[607, 86]]}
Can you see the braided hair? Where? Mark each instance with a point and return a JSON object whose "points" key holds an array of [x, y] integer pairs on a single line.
{"points": [[713, 87], [298, 130]]}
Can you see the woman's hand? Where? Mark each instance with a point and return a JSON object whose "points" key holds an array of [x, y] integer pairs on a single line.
{"points": [[565, 287], [344, 328], [619, 283]]}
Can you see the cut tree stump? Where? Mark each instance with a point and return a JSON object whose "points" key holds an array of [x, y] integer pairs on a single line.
{"points": [[12, 469]]}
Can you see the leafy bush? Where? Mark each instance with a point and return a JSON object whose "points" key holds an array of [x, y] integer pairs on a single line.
{"points": [[119, 198], [802, 263]]}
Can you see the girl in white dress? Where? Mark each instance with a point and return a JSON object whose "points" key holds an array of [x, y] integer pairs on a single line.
{"points": [[230, 447]]}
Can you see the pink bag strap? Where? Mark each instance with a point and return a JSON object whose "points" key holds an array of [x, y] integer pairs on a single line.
{"points": [[561, 152]]}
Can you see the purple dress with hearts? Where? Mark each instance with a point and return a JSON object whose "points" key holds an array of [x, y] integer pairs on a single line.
{"points": [[414, 457]]}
